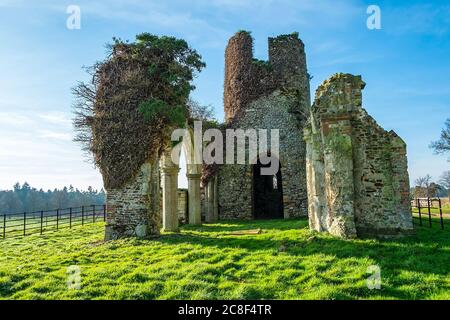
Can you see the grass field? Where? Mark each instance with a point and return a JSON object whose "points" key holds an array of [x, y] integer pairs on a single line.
{"points": [[285, 261], [13, 225]]}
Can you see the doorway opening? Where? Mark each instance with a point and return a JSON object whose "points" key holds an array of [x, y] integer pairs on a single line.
{"points": [[267, 194]]}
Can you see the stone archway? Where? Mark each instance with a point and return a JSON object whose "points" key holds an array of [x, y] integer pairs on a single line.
{"points": [[169, 181]]}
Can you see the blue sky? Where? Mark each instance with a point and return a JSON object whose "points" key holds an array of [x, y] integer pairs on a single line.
{"points": [[406, 66]]}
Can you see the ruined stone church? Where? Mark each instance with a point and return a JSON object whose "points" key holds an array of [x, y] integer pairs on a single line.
{"points": [[337, 166]]}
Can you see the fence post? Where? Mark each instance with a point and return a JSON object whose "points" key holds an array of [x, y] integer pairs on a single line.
{"points": [[82, 215], [429, 210], [24, 224], [104, 212], [93, 213], [420, 215], [57, 219], [70, 218], [4, 226], [440, 214], [42, 220]]}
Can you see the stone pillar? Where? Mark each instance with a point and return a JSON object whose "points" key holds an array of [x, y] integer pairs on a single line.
{"points": [[338, 159], [195, 215], [205, 201], [169, 177], [209, 201], [315, 179], [215, 204]]}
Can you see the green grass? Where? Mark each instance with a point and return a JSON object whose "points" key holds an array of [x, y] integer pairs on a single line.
{"points": [[433, 210], [285, 261], [15, 227]]}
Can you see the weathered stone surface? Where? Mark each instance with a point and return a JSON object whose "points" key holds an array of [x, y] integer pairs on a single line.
{"points": [[235, 181], [134, 210], [169, 183], [194, 199], [182, 205], [265, 95], [357, 175], [339, 166]]}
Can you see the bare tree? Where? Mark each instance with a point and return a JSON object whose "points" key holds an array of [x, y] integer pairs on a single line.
{"points": [[424, 183], [445, 181], [200, 112], [443, 144], [83, 109]]}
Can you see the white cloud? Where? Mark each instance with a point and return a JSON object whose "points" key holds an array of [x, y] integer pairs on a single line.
{"points": [[36, 147], [8, 118], [49, 134], [173, 17], [59, 118]]}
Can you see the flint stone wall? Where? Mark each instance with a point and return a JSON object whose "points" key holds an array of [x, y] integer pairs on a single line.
{"points": [[182, 204], [135, 209], [235, 182], [271, 94], [357, 174]]}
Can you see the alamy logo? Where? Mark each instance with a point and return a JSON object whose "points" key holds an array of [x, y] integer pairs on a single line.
{"points": [[374, 20], [73, 278], [238, 143], [73, 22], [374, 280]]}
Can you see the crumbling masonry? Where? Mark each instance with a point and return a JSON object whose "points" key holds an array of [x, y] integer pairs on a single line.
{"points": [[271, 94], [357, 172], [337, 165]]}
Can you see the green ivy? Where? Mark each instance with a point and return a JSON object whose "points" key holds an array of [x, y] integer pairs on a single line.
{"points": [[170, 65], [155, 108], [262, 63]]}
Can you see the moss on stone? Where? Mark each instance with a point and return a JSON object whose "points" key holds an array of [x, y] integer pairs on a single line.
{"points": [[339, 142]]}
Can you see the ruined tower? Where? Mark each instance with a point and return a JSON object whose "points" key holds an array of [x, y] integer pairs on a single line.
{"points": [[271, 94], [248, 79]]}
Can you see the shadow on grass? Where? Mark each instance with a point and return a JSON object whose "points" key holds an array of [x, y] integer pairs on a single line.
{"points": [[232, 225], [427, 253]]}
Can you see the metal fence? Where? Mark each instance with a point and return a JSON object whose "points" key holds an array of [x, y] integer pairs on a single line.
{"points": [[38, 222], [430, 208]]}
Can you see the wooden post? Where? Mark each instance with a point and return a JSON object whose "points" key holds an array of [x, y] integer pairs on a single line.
{"points": [[104, 212], [57, 219], [429, 210], [70, 218], [440, 213], [42, 220], [420, 215], [24, 223], [4, 226], [93, 213], [82, 215]]}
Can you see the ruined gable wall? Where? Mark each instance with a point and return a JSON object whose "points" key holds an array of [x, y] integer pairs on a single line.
{"points": [[382, 187], [362, 167], [134, 209]]}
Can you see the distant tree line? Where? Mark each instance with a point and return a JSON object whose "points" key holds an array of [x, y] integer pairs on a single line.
{"points": [[425, 187], [24, 198]]}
